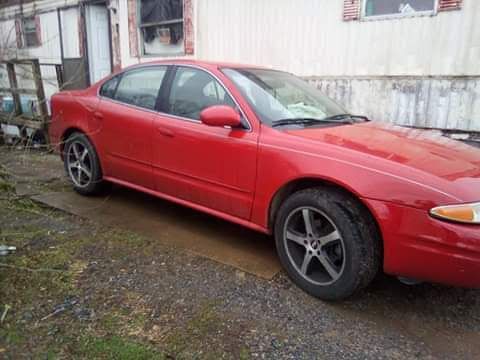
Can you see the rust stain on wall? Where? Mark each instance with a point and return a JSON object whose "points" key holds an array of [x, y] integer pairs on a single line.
{"points": [[116, 57], [132, 28], [188, 27]]}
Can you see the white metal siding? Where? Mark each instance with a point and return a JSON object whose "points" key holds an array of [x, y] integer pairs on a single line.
{"points": [[309, 37]]}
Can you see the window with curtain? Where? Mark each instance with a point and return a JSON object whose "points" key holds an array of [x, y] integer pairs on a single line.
{"points": [[161, 27]]}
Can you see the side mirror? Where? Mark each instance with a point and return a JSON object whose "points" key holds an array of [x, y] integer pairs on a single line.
{"points": [[220, 115]]}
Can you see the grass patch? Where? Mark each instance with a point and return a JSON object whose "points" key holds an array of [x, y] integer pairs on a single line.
{"points": [[123, 243], [198, 333], [32, 277], [11, 336], [116, 347], [20, 204], [6, 185]]}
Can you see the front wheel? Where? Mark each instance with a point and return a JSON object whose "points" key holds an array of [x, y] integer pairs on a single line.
{"points": [[327, 243], [82, 165]]}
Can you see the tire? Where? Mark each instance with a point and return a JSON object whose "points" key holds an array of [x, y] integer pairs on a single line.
{"points": [[342, 254], [89, 182]]}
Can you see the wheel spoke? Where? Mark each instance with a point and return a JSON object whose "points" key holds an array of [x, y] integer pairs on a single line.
{"points": [[299, 239], [327, 239], [79, 176], [86, 172], [84, 155], [307, 219], [306, 261], [328, 266], [75, 151]]}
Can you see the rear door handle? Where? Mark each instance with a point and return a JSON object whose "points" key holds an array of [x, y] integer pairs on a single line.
{"points": [[165, 132], [98, 115]]}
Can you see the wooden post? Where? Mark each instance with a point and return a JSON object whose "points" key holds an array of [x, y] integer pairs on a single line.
{"points": [[42, 102], [12, 78]]}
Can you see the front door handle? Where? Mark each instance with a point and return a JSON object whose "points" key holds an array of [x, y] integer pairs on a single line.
{"points": [[165, 132]]}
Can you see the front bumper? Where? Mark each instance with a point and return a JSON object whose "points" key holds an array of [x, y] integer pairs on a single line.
{"points": [[420, 247]]}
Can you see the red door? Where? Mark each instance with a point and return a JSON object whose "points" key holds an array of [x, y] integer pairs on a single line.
{"points": [[126, 113], [127, 138], [210, 166]]}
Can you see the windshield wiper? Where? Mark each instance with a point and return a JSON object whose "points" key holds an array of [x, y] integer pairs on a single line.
{"points": [[298, 121], [340, 117]]}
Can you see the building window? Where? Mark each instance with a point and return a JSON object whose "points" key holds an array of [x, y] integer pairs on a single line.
{"points": [[28, 32], [31, 32], [397, 8], [161, 27]]}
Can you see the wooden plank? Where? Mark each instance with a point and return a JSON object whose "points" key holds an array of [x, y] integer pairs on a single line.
{"points": [[42, 101], [37, 78], [21, 121], [19, 91], [12, 79]]}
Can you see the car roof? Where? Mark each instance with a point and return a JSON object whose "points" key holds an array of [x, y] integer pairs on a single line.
{"points": [[202, 63]]}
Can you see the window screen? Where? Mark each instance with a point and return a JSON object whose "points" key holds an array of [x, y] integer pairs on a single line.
{"points": [[140, 87]]}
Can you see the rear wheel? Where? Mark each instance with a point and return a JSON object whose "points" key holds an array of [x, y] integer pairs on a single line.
{"points": [[82, 165], [327, 243]]}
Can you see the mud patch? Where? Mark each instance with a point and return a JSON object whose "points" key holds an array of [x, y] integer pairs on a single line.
{"points": [[175, 225]]}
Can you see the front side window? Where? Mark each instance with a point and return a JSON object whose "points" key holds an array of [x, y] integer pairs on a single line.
{"points": [[161, 27], [194, 90], [276, 96], [140, 87], [380, 8]]}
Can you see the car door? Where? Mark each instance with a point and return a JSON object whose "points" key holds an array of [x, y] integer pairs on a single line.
{"points": [[210, 166], [126, 113]]}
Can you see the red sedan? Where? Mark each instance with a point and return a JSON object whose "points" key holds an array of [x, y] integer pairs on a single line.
{"points": [[343, 196]]}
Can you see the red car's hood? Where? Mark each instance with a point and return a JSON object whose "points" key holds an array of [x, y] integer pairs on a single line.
{"points": [[416, 151]]}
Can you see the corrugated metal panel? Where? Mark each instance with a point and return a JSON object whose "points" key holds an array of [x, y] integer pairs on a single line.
{"points": [[448, 103]]}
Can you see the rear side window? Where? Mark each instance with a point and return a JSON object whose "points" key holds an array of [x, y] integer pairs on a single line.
{"points": [[108, 89], [194, 90], [140, 87]]}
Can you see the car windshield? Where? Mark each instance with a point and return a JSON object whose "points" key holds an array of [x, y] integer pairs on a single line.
{"points": [[280, 98]]}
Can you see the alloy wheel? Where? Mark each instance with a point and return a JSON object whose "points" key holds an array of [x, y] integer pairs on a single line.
{"points": [[314, 245], [79, 164]]}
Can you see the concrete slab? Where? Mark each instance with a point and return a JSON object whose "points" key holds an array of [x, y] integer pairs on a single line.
{"points": [[175, 225]]}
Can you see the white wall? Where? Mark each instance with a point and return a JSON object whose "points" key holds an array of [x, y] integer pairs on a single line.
{"points": [[309, 37]]}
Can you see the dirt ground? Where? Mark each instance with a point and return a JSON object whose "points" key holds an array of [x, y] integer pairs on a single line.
{"points": [[76, 288]]}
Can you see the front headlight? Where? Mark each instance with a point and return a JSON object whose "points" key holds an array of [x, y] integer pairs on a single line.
{"points": [[464, 213]]}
